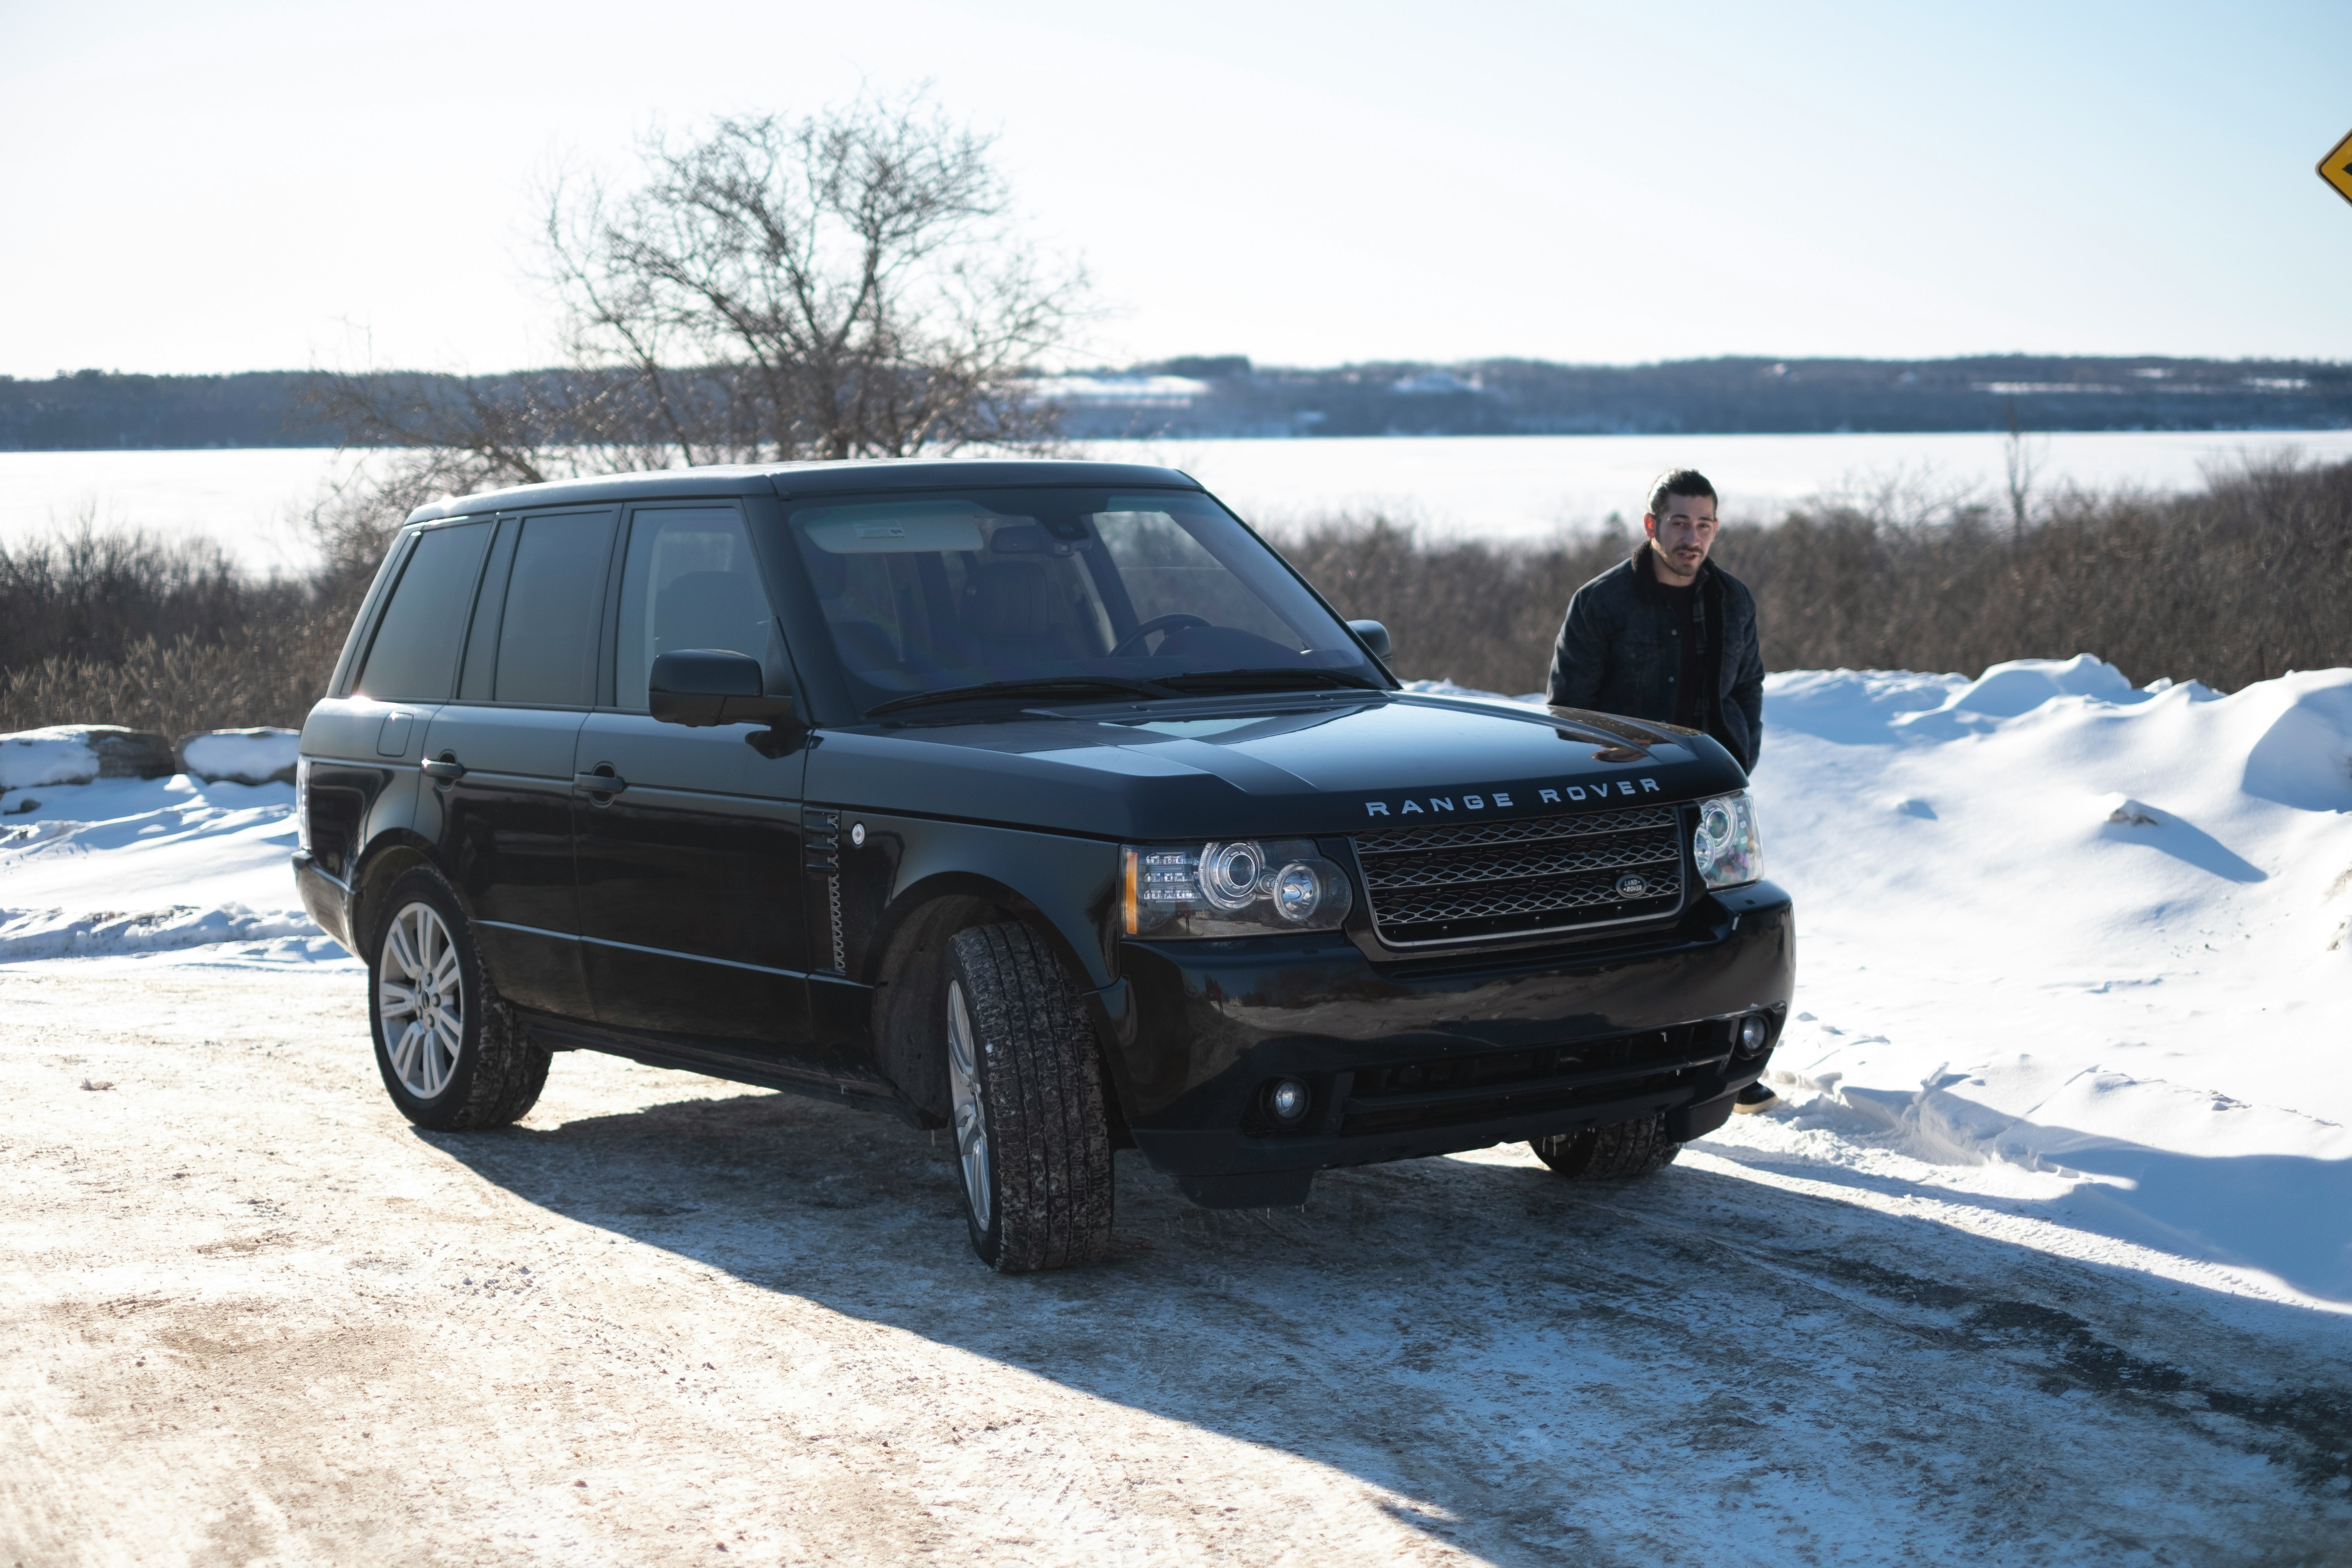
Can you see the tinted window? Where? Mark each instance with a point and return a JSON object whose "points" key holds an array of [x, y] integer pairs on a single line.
{"points": [[691, 582], [937, 593], [555, 597], [415, 652], [477, 680]]}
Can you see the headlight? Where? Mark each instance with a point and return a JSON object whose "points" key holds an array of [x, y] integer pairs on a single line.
{"points": [[1231, 887], [1727, 846]]}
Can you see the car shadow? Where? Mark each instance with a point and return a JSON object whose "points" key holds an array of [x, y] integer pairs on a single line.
{"points": [[1553, 1372]]}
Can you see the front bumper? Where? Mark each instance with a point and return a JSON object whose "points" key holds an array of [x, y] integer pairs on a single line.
{"points": [[326, 898], [1431, 1057]]}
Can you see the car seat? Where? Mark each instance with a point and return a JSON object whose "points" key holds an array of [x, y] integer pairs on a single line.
{"points": [[1010, 615], [709, 609]]}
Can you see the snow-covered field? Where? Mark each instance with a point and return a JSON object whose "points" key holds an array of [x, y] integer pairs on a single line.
{"points": [[2046, 1257]]}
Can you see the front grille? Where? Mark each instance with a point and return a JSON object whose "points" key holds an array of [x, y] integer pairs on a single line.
{"points": [[1486, 880], [1492, 1085]]}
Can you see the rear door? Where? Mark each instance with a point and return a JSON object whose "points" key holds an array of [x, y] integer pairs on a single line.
{"points": [[364, 747], [507, 743], [690, 858]]}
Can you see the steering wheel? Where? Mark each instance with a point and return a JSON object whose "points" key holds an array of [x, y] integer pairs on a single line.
{"points": [[1176, 621]]}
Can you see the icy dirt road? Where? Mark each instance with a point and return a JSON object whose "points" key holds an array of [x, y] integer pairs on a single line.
{"points": [[248, 1315]]}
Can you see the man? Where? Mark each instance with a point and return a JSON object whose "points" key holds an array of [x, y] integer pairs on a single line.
{"points": [[1670, 637]]}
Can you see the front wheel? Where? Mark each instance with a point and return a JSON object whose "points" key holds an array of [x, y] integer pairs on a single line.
{"points": [[1032, 1143], [451, 1054], [1610, 1154]]}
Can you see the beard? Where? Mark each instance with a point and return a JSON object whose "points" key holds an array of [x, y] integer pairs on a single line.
{"points": [[1683, 562]]}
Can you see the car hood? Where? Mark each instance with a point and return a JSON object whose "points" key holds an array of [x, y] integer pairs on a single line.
{"points": [[1291, 763]]}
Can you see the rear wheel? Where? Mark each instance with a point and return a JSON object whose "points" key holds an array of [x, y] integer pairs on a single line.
{"points": [[1610, 1154], [1032, 1143], [452, 1056]]}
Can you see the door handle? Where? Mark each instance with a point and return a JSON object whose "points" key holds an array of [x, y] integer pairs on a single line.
{"points": [[602, 781], [447, 770]]}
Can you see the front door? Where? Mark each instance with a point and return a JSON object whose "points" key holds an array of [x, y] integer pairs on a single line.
{"points": [[690, 860]]}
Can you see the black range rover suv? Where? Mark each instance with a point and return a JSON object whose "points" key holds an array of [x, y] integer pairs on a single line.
{"points": [[1037, 800]]}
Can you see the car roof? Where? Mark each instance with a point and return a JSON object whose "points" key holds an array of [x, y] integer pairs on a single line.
{"points": [[816, 479]]}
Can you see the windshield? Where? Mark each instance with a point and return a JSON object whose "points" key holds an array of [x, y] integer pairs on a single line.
{"points": [[1155, 592]]}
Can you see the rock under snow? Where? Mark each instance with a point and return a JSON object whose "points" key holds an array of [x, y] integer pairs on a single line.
{"points": [[243, 756], [80, 753]]}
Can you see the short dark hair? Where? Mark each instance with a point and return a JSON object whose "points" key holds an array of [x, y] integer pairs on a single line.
{"points": [[1679, 482]]}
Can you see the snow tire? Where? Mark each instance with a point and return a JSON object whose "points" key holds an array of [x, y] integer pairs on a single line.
{"points": [[494, 1075], [1032, 1141], [1610, 1154]]}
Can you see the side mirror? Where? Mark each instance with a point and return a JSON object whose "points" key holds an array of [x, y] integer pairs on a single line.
{"points": [[1374, 635], [702, 687]]}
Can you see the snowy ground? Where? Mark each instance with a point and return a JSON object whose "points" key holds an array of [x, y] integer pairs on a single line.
{"points": [[2048, 1257]]}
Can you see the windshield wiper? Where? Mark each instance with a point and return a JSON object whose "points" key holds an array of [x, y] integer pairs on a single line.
{"points": [[1051, 686], [1265, 680]]}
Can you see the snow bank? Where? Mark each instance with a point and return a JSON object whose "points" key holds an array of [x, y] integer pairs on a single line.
{"points": [[58, 933], [174, 867], [2062, 926]]}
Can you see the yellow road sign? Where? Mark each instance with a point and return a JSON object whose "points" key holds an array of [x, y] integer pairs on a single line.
{"points": [[2336, 168]]}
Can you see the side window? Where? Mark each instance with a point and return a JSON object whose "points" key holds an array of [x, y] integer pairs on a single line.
{"points": [[556, 599], [478, 678], [691, 582], [415, 655]]}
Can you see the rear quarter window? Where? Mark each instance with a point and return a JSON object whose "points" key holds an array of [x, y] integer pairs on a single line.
{"points": [[415, 655]]}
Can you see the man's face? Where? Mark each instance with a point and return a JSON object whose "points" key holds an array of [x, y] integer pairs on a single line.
{"points": [[1682, 535]]}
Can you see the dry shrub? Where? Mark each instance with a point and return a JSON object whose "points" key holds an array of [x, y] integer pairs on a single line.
{"points": [[90, 595], [2249, 576], [183, 685], [1482, 614], [2237, 582], [124, 628]]}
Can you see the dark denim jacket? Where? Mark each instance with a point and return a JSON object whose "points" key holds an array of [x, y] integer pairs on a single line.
{"points": [[1619, 652]]}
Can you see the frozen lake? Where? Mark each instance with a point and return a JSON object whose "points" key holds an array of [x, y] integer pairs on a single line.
{"points": [[1510, 487]]}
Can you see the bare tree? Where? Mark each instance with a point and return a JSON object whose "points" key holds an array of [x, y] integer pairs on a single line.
{"points": [[2023, 461], [845, 285]]}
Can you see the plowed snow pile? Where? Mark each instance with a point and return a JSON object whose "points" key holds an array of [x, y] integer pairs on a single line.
{"points": [[171, 865], [2078, 946]]}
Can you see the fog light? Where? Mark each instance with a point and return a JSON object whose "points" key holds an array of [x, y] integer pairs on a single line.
{"points": [[1288, 1100], [1753, 1032]]}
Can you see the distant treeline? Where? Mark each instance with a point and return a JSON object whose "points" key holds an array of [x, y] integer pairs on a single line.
{"points": [[96, 411], [1724, 396], [2242, 579]]}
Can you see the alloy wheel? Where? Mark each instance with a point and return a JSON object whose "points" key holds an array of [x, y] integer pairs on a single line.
{"points": [[970, 1111], [420, 1000]]}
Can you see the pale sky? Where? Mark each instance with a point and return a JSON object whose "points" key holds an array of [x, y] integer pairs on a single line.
{"points": [[192, 187]]}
